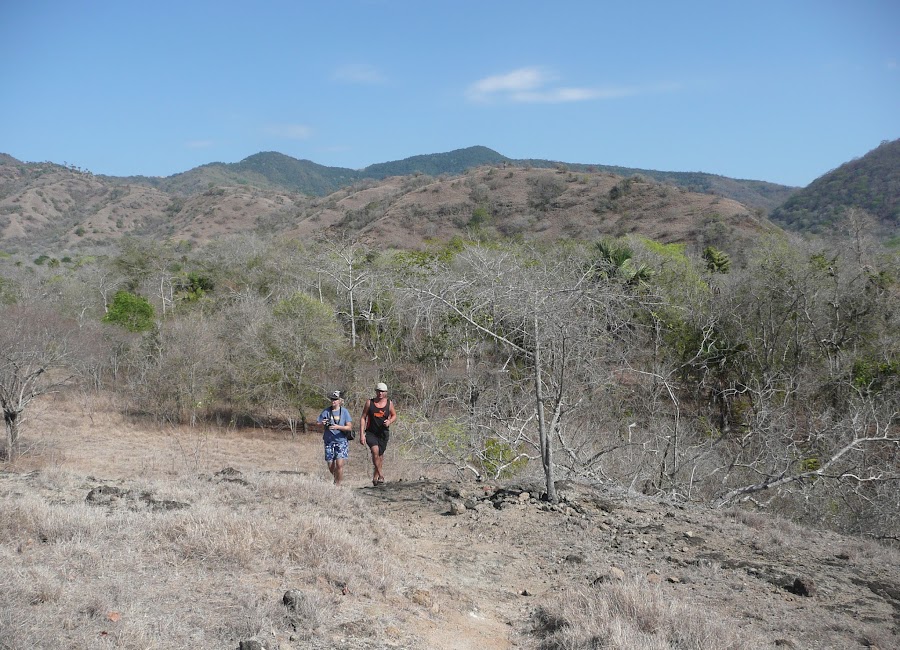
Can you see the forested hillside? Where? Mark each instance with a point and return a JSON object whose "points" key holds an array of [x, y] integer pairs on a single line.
{"points": [[870, 184]]}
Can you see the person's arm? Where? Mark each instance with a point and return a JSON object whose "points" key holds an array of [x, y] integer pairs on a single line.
{"points": [[363, 423], [348, 425], [392, 414]]}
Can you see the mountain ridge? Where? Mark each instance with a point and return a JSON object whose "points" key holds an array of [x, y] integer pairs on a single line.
{"points": [[46, 208], [274, 170]]}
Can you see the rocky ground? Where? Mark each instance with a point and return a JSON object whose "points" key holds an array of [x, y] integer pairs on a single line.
{"points": [[498, 551]]}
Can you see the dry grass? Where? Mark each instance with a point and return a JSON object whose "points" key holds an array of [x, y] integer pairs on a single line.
{"points": [[129, 572], [131, 577], [634, 614], [127, 575]]}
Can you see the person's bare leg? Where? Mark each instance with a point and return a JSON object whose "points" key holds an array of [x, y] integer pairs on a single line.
{"points": [[377, 462], [338, 471]]}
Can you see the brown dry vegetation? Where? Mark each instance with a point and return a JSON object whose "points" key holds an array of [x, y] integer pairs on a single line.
{"points": [[199, 532], [56, 209]]}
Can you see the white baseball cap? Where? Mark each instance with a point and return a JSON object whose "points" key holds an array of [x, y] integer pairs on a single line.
{"points": [[381, 386]]}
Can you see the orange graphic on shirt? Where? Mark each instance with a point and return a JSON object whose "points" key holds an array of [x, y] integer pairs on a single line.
{"points": [[378, 414]]}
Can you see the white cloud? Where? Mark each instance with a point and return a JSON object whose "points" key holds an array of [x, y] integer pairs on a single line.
{"points": [[290, 131], [535, 85], [521, 81], [557, 96], [199, 144], [359, 73]]}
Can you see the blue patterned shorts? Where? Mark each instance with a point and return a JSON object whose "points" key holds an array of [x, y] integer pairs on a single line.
{"points": [[337, 449]]}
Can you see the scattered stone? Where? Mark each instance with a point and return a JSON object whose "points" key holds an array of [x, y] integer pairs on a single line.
{"points": [[294, 599], [802, 587], [654, 578], [105, 494], [785, 643], [238, 481], [524, 496], [254, 643], [457, 507], [525, 592], [674, 580], [422, 597], [574, 558], [161, 504], [612, 574], [108, 495]]}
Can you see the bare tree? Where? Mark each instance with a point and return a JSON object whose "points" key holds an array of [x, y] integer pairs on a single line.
{"points": [[37, 354], [345, 264], [545, 316], [177, 370], [852, 454], [282, 355]]}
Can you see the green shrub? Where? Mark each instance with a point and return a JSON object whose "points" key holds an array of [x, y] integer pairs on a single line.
{"points": [[499, 459], [130, 311]]}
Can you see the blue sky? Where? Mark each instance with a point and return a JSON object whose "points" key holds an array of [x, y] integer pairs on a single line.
{"points": [[778, 91]]}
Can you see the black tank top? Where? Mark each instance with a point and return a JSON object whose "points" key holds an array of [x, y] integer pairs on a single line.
{"points": [[377, 416]]}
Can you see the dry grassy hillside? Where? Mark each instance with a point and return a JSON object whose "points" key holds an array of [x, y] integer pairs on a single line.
{"points": [[53, 209], [540, 204], [118, 534]]}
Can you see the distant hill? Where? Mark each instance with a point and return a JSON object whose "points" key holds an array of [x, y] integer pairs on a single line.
{"points": [[46, 206], [272, 170], [56, 210], [269, 170], [452, 162], [871, 183]]}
